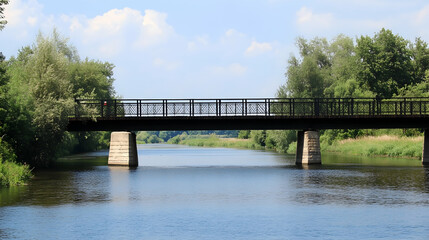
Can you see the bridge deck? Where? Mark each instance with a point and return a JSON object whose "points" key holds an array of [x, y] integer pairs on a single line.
{"points": [[236, 114]]}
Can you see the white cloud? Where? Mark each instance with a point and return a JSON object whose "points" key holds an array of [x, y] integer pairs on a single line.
{"points": [[25, 18], [198, 43], [154, 29], [309, 21], [232, 36], [257, 48], [232, 70], [119, 29], [22, 13], [164, 64], [422, 16]]}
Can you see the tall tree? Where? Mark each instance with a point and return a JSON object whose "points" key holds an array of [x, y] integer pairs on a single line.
{"points": [[420, 55], [2, 22], [306, 75], [385, 63]]}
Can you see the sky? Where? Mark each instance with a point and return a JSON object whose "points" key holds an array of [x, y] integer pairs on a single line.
{"points": [[203, 49]]}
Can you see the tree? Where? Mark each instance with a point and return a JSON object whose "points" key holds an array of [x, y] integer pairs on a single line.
{"points": [[91, 78], [2, 22], [306, 77], [420, 56], [45, 79], [385, 63]]}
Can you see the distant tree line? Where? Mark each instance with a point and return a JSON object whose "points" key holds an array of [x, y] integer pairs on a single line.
{"points": [[384, 65], [164, 136]]}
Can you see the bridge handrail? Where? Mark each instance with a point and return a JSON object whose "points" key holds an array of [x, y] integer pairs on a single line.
{"points": [[286, 107]]}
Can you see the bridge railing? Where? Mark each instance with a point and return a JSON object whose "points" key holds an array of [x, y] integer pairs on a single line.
{"points": [[289, 107]]}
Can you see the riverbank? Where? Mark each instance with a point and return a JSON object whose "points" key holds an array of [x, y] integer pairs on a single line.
{"points": [[214, 141], [386, 145], [379, 146], [12, 174]]}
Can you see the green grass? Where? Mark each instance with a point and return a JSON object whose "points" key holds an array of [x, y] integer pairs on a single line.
{"points": [[12, 174], [389, 146], [213, 141]]}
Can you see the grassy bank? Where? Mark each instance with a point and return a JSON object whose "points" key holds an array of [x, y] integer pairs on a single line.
{"points": [[387, 145], [214, 141], [384, 146], [12, 174]]}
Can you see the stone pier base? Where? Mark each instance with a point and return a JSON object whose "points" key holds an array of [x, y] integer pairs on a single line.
{"points": [[425, 155], [123, 149], [308, 148]]}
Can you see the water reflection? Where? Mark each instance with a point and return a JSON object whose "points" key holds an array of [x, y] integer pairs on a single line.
{"points": [[182, 175], [193, 193]]}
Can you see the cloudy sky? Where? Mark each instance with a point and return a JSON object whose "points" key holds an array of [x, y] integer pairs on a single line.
{"points": [[203, 49]]}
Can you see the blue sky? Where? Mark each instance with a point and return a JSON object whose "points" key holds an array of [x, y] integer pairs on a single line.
{"points": [[203, 49]]}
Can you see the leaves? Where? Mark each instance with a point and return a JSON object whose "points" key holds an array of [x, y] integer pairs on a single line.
{"points": [[44, 80]]}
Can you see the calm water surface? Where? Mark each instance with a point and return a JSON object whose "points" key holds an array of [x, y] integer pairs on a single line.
{"points": [[181, 192]]}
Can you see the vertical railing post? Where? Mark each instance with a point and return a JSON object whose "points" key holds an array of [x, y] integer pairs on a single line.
{"points": [[242, 107], [137, 106], [193, 107], [396, 108], [420, 107], [293, 107], [246, 107], [220, 107], [114, 110], [166, 108], [316, 107], [405, 106], [266, 106], [190, 107], [411, 107], [163, 108], [269, 107]]}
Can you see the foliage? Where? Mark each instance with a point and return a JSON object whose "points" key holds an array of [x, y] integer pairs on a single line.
{"points": [[147, 137], [385, 63], [244, 134], [164, 136], [213, 141], [11, 173], [45, 78], [2, 22], [386, 145]]}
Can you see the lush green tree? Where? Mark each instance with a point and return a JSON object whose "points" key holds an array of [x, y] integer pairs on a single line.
{"points": [[2, 22], [45, 79], [259, 137], [420, 56], [244, 134], [420, 89], [91, 78], [306, 75], [41, 99], [385, 63]]}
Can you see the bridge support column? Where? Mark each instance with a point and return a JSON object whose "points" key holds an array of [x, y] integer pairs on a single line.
{"points": [[123, 149], [308, 148], [425, 155]]}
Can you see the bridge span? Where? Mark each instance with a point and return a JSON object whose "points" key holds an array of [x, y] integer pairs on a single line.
{"points": [[305, 114]]}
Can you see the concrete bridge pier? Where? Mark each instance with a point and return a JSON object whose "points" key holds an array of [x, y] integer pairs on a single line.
{"points": [[123, 149], [308, 148], [425, 155]]}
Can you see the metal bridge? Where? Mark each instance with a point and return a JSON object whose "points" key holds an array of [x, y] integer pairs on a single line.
{"points": [[250, 113]]}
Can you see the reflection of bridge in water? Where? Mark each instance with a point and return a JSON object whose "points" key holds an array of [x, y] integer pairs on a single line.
{"points": [[305, 114]]}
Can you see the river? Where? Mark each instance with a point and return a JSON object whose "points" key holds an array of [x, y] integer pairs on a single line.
{"points": [[181, 192]]}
